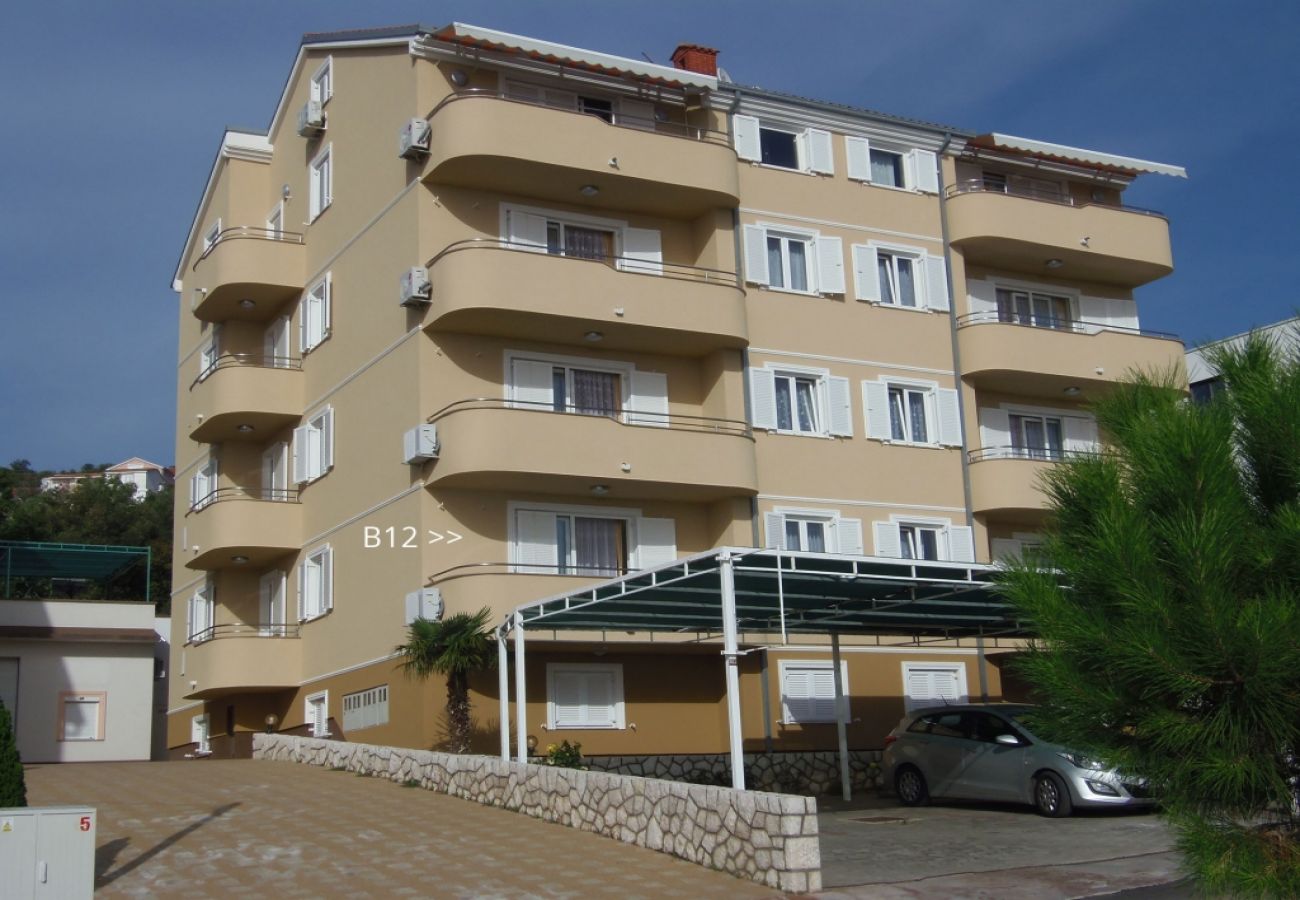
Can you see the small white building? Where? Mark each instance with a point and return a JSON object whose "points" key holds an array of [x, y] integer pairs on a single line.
{"points": [[1203, 378], [145, 476]]}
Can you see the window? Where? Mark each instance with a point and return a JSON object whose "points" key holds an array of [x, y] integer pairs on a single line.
{"points": [[81, 716], [320, 183], [563, 239], [1027, 432], [797, 400], [926, 684], [793, 260], [597, 106], [799, 149], [584, 695], [322, 82], [914, 537], [887, 168], [203, 485], [583, 237], [902, 277], [590, 541], [314, 314], [895, 167], [1037, 437], [365, 709], [199, 614], [911, 412], [1033, 308], [212, 236], [317, 714], [808, 690], [316, 584], [200, 729], [210, 353], [813, 531], [313, 447], [271, 591], [1025, 186], [1205, 391], [275, 472], [586, 387], [1026, 546]]}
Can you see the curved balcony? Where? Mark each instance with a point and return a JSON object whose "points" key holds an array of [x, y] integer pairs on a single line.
{"points": [[1020, 232], [245, 396], [237, 657], [1006, 480], [508, 289], [480, 139], [233, 527], [257, 265], [1074, 359], [501, 445]]}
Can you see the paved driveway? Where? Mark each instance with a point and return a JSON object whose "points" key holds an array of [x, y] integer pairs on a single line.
{"points": [[229, 828]]}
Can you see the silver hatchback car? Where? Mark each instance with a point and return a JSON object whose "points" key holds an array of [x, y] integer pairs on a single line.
{"points": [[986, 752]]}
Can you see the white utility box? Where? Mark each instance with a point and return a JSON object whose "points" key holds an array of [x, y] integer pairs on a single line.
{"points": [[47, 851]]}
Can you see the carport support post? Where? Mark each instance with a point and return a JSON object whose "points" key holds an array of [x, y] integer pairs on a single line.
{"points": [[841, 717], [727, 576], [503, 690], [521, 715]]}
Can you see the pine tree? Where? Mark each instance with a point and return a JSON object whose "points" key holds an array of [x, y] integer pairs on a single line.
{"points": [[13, 787], [1169, 623]]}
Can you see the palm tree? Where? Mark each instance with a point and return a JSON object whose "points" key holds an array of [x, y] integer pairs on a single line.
{"points": [[455, 647]]}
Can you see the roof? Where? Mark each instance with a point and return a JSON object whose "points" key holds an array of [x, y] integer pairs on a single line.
{"points": [[846, 108], [134, 464], [1200, 369], [33, 559], [1060, 153]]}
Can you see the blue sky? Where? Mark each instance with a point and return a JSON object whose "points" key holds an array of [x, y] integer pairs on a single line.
{"points": [[111, 113]]}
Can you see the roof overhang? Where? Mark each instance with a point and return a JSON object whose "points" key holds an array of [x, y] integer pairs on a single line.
{"points": [[1125, 165], [782, 592], [31, 559]]}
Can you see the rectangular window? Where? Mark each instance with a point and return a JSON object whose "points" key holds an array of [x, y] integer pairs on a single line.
{"points": [[317, 714], [808, 690], [584, 695], [798, 261], [316, 584], [787, 262], [813, 531], [588, 387], [897, 275], [200, 613], [779, 148], [563, 239], [588, 541], [322, 82], [909, 414], [887, 168], [805, 534], [365, 709], [81, 715], [797, 149], [933, 684], [797, 402], [203, 485], [924, 539], [920, 541], [271, 591], [314, 314], [801, 401], [598, 107], [1033, 308], [1037, 437], [313, 447], [320, 183], [212, 236]]}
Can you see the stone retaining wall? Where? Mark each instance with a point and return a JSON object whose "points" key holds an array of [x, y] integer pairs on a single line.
{"points": [[769, 838], [809, 772]]}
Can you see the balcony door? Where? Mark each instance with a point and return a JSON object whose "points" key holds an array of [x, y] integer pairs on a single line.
{"points": [[275, 472], [276, 344], [271, 621]]}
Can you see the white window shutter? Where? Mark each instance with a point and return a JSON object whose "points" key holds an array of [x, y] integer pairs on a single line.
{"points": [[961, 543], [848, 534], [1104, 312], [756, 255], [302, 324], [327, 580], [981, 296], [821, 158], [1080, 434], [527, 230], [189, 619], [327, 441], [925, 171], [995, 428], [821, 699], [774, 531], [302, 588], [839, 401], [875, 405], [600, 700], [535, 549], [745, 131], [649, 402], [636, 114], [887, 541], [936, 284], [301, 437], [642, 251], [568, 698], [530, 384], [830, 265], [762, 398], [866, 274], [949, 417], [858, 153], [657, 542]]}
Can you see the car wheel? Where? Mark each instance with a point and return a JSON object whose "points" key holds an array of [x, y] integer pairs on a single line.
{"points": [[1051, 796], [910, 785]]}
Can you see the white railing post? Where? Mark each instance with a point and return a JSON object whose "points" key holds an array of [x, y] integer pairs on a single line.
{"points": [[503, 688], [521, 693], [731, 657]]}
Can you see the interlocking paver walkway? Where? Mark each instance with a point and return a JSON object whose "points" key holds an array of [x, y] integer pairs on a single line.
{"points": [[229, 828]]}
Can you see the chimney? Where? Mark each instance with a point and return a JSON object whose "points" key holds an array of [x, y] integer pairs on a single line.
{"points": [[694, 58]]}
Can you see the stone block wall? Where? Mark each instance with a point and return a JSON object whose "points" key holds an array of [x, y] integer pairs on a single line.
{"points": [[815, 773], [768, 838]]}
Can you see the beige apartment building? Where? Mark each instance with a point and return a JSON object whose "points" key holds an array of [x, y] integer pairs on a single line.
{"points": [[483, 319]]}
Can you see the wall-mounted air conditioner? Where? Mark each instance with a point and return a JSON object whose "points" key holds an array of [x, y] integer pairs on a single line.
{"points": [[415, 289], [311, 119], [420, 444], [413, 140], [426, 603]]}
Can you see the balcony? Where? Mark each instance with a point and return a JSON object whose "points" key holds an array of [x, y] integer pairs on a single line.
{"points": [[480, 139], [501, 445], [244, 266], [236, 527], [994, 225], [507, 289], [1005, 480], [246, 396], [1070, 358], [236, 657]]}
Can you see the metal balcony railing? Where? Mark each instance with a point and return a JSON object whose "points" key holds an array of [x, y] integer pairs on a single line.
{"points": [[242, 232], [245, 630], [1044, 193], [993, 317], [622, 416], [265, 495], [1036, 454], [247, 360]]}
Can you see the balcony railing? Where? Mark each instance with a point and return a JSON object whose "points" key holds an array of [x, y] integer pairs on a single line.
{"points": [[628, 417], [1055, 324], [248, 232], [269, 495], [247, 360], [1036, 454], [1043, 193], [615, 118], [245, 630], [631, 265]]}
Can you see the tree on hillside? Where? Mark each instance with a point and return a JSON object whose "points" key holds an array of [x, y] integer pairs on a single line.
{"points": [[1170, 631], [456, 647]]}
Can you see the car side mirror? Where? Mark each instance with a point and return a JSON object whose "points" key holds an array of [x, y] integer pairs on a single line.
{"points": [[1009, 739]]}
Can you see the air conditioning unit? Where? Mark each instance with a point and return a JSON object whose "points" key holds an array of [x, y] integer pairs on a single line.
{"points": [[420, 444], [413, 140], [311, 119], [426, 603], [415, 289]]}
